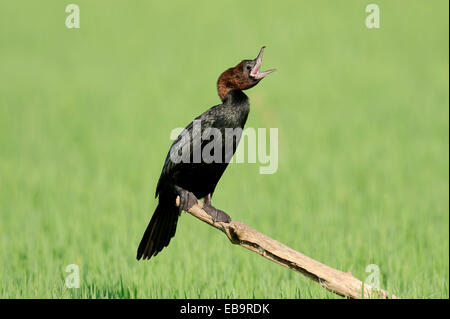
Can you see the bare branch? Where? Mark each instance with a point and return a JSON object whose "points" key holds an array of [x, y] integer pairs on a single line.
{"points": [[336, 281]]}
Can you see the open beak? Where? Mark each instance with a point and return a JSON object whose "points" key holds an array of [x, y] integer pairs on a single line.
{"points": [[254, 73]]}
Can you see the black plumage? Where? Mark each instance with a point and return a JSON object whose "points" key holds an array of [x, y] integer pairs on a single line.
{"points": [[199, 175]]}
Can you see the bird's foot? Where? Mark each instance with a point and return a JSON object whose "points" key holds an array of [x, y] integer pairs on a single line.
{"points": [[216, 214], [207, 199], [187, 199]]}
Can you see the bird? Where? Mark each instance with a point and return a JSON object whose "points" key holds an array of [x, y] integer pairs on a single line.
{"points": [[200, 175]]}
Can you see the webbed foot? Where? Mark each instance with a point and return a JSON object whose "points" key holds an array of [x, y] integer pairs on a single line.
{"points": [[216, 214], [187, 199]]}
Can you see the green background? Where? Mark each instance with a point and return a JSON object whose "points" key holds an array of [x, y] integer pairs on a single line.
{"points": [[85, 117]]}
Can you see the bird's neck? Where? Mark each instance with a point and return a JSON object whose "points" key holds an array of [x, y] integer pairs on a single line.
{"points": [[236, 106], [236, 97]]}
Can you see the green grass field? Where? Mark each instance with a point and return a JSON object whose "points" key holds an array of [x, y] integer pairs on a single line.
{"points": [[85, 117]]}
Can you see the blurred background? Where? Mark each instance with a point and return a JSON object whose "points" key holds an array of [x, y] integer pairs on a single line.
{"points": [[85, 118]]}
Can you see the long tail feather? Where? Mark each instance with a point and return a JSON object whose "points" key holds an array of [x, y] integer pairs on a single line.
{"points": [[159, 231]]}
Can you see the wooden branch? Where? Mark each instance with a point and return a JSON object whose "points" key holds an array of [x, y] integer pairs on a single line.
{"points": [[336, 281]]}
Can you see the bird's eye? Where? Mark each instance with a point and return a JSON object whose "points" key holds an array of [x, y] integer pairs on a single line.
{"points": [[249, 67]]}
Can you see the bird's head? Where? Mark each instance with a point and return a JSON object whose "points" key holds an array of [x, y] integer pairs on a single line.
{"points": [[243, 76]]}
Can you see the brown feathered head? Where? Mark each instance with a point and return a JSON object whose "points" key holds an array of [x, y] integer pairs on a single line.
{"points": [[243, 76]]}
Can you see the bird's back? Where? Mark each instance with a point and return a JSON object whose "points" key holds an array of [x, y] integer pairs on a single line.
{"points": [[201, 153]]}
